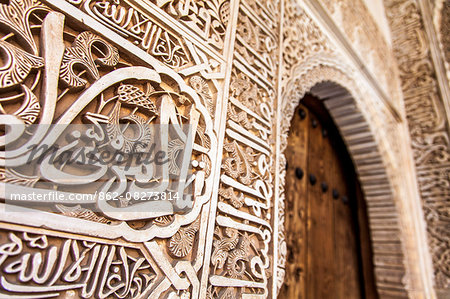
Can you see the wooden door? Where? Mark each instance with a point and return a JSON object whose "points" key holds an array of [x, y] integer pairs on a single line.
{"points": [[329, 252]]}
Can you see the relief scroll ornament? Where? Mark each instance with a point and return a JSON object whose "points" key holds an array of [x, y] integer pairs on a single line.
{"points": [[130, 22], [209, 19], [56, 75], [33, 263], [86, 74], [241, 264]]}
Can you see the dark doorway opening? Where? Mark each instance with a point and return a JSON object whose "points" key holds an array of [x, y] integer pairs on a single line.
{"points": [[327, 232]]}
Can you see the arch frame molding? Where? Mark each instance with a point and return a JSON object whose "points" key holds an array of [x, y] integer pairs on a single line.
{"points": [[332, 81]]}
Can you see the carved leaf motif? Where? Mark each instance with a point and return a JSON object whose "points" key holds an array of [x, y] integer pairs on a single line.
{"points": [[81, 54], [244, 90], [13, 248], [169, 49], [238, 165], [126, 272], [229, 293], [200, 86], [237, 258], [132, 95], [241, 117], [183, 295], [228, 193], [175, 147], [9, 175], [164, 220], [82, 213], [30, 109], [181, 243], [39, 241], [15, 16], [203, 138], [224, 12], [18, 65], [207, 163], [249, 32], [223, 246]]}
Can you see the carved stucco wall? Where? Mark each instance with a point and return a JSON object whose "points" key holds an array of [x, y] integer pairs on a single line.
{"points": [[362, 31], [424, 88], [376, 9], [235, 70], [441, 22]]}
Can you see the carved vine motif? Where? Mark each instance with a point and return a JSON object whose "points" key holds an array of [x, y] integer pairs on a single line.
{"points": [[241, 117], [249, 93], [93, 64], [230, 253], [95, 83], [246, 91], [240, 260], [282, 245], [293, 92], [80, 54], [81, 78], [236, 200], [139, 28], [201, 87], [151, 34], [439, 244], [208, 19], [16, 15], [30, 109], [301, 38], [255, 45], [181, 243], [22, 63]]}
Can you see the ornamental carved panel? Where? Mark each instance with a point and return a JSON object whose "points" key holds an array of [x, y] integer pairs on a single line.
{"points": [[428, 125], [100, 66], [209, 84]]}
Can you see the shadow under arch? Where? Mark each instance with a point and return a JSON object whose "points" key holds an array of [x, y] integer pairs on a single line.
{"points": [[341, 95]]}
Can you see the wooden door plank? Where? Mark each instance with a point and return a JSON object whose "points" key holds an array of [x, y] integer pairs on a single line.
{"points": [[328, 158], [323, 235], [320, 275], [296, 200], [346, 256]]}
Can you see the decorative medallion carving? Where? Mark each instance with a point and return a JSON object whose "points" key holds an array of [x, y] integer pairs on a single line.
{"points": [[57, 73]]}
